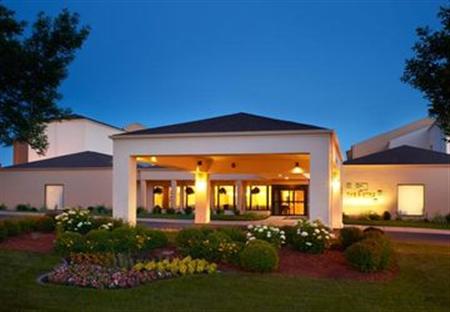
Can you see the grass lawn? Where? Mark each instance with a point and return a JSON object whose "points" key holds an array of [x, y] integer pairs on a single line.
{"points": [[422, 285], [401, 223]]}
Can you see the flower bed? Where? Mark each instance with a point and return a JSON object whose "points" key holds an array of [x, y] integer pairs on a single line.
{"points": [[85, 271]]}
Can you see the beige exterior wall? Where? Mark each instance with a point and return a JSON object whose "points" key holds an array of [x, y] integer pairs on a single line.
{"points": [[377, 191], [74, 136], [82, 187]]}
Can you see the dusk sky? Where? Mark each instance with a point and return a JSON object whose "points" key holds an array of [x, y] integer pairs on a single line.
{"points": [[329, 63]]}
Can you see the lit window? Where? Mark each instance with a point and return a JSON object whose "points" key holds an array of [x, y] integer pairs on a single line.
{"points": [[411, 199], [224, 197], [258, 197]]}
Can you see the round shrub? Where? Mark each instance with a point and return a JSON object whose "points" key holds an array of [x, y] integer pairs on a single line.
{"points": [[387, 215], [372, 232], [189, 242], [311, 237], [370, 254], [234, 233], [152, 238], [259, 256], [124, 240], [350, 235], [69, 242], [99, 241]]}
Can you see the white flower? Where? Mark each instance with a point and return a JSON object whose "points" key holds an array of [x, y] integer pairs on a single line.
{"points": [[282, 232], [308, 244], [250, 227], [269, 235], [304, 234], [251, 238], [319, 237], [249, 234], [332, 235], [283, 237], [80, 224], [316, 231], [260, 230], [327, 237]]}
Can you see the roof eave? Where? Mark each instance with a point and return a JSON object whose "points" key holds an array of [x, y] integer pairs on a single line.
{"points": [[225, 133]]}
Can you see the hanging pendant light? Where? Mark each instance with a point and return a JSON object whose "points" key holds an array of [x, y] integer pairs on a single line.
{"points": [[297, 169]]}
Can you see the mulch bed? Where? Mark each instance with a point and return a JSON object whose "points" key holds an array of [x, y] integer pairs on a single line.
{"points": [[331, 264], [34, 242]]}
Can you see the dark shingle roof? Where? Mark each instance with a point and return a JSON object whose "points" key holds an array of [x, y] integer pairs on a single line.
{"points": [[239, 122], [402, 155], [78, 160]]}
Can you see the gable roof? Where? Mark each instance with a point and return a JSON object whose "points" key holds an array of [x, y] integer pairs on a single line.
{"points": [[240, 122], [402, 155], [78, 160]]}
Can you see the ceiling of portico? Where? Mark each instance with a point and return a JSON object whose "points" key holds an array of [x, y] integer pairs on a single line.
{"points": [[273, 166]]}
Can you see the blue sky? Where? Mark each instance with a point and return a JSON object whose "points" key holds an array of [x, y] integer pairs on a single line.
{"points": [[330, 63]]}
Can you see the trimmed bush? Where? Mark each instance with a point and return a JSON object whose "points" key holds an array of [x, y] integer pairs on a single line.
{"points": [[372, 232], [350, 235], [153, 238], [99, 241], [69, 242], [45, 224], [12, 227], [234, 233], [374, 216], [259, 256], [188, 242], [370, 254], [387, 215], [311, 237], [3, 207], [447, 217]]}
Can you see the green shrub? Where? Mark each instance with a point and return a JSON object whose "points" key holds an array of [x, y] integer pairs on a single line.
{"points": [[311, 237], [188, 210], [3, 231], [106, 223], [387, 215], [68, 242], [157, 210], [374, 216], [26, 225], [189, 242], [259, 256], [99, 241], [124, 240], [153, 238], [140, 210], [236, 234], [3, 207], [45, 224], [289, 233], [25, 207], [170, 211], [370, 254], [12, 227], [75, 220], [350, 235], [447, 217]]}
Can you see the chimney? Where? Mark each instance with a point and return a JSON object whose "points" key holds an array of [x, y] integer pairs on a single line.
{"points": [[20, 153]]}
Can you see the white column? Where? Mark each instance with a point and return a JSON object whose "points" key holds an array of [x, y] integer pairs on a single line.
{"points": [[150, 198], [239, 196], [320, 187], [124, 187], [202, 198], [143, 193], [182, 195], [173, 194]]}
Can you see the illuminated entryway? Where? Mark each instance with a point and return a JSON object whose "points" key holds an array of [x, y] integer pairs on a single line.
{"points": [[254, 154]]}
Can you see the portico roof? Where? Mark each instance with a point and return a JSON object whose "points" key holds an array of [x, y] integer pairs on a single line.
{"points": [[239, 122]]}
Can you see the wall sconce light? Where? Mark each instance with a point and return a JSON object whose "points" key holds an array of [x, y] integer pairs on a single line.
{"points": [[233, 165], [153, 159], [297, 169]]}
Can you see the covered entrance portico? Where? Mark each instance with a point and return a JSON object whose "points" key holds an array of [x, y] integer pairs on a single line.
{"points": [[309, 158]]}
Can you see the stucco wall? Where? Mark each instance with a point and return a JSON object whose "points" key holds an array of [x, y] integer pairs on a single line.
{"points": [[386, 179], [81, 187], [74, 136]]}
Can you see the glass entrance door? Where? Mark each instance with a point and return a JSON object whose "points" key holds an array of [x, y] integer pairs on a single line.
{"points": [[289, 200]]}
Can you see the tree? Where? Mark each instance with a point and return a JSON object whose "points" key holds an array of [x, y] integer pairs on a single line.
{"points": [[429, 69], [31, 71]]}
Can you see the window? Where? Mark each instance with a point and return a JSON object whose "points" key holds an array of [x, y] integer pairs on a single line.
{"points": [[54, 197], [158, 196], [258, 197], [224, 197], [411, 199]]}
